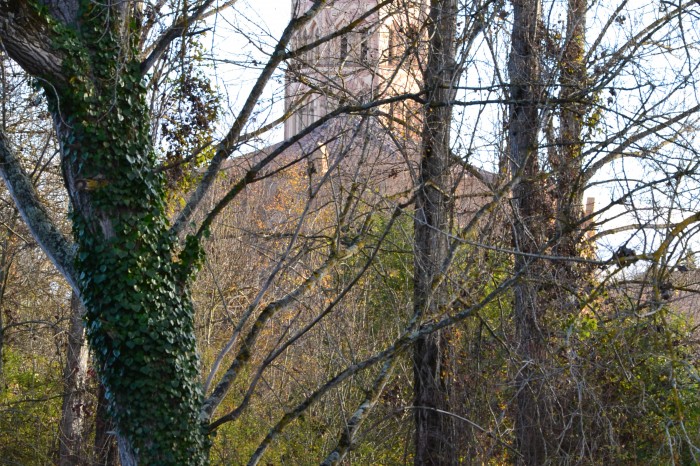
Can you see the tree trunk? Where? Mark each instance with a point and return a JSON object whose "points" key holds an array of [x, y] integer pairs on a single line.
{"points": [[2, 344], [435, 430], [132, 274], [105, 450], [531, 224], [571, 277], [4, 256], [568, 167], [4, 271], [135, 288], [72, 443]]}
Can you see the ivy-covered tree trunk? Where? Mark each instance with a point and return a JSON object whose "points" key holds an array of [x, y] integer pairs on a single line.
{"points": [[127, 267], [135, 290], [435, 429], [131, 269]]}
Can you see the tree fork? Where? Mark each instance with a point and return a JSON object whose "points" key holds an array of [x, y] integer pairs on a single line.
{"points": [[132, 280]]}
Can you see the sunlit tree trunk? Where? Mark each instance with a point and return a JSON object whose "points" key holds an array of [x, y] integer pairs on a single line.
{"points": [[570, 277], [434, 436], [568, 168]]}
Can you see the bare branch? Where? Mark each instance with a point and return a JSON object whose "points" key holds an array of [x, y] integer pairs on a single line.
{"points": [[177, 29], [227, 145], [402, 343], [233, 415], [250, 175], [56, 246], [268, 312], [619, 150], [355, 422]]}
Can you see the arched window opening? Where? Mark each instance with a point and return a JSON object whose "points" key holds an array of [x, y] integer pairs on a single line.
{"points": [[343, 47], [364, 47]]}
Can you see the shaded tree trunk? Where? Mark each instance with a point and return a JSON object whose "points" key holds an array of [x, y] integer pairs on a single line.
{"points": [[105, 449], [435, 430], [532, 213], [72, 449], [4, 257], [4, 272]]}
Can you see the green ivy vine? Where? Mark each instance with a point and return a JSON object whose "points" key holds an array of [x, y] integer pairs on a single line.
{"points": [[134, 280]]}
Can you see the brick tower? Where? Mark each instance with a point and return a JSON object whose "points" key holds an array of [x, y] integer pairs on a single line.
{"points": [[375, 60]]}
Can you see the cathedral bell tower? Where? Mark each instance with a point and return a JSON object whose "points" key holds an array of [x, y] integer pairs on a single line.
{"points": [[374, 60]]}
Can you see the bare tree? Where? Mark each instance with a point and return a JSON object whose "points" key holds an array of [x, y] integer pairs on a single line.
{"points": [[549, 181], [435, 431], [531, 214], [305, 315]]}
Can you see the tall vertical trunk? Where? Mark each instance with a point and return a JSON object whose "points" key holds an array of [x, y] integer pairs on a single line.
{"points": [[138, 310], [2, 345], [105, 450], [4, 272], [434, 436], [72, 449], [531, 222], [3, 122], [568, 167]]}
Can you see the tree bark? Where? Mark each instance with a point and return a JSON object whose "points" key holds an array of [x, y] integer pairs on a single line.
{"points": [[131, 270], [435, 429], [5, 263], [105, 449], [531, 224], [568, 169], [72, 449], [570, 231]]}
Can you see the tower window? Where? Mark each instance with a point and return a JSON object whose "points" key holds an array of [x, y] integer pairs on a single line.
{"points": [[317, 49], [364, 48], [343, 47], [303, 40], [392, 52]]}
